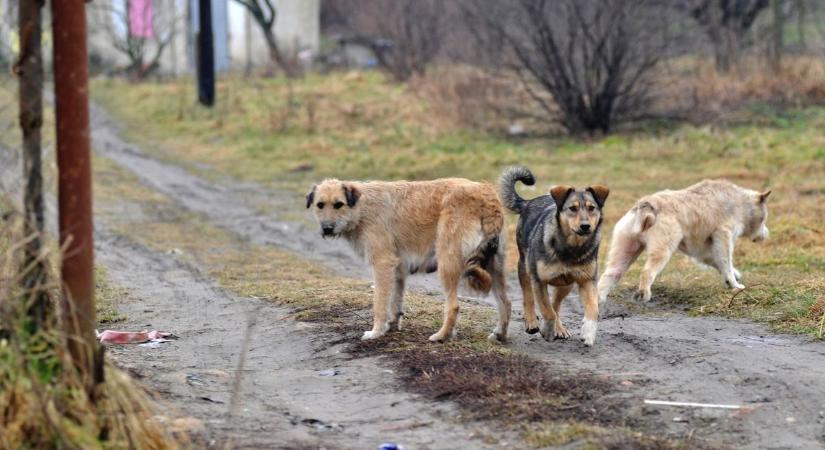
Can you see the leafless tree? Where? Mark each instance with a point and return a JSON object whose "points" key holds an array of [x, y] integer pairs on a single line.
{"points": [[589, 62], [726, 23], [265, 15], [405, 35], [143, 53], [29, 69]]}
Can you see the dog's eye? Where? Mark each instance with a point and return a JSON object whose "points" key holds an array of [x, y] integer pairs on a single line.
{"points": [[338, 205], [320, 205], [591, 208], [574, 208]]}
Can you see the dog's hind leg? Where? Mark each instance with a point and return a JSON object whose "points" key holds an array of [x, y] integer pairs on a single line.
{"points": [[499, 334], [450, 268], [625, 248], [659, 252], [397, 299], [590, 301], [531, 325], [548, 314], [559, 293]]}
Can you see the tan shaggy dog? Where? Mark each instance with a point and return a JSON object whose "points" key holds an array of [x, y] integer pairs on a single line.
{"points": [[452, 225], [703, 221]]}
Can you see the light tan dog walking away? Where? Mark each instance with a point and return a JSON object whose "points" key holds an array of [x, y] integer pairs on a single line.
{"points": [[703, 221], [451, 225]]}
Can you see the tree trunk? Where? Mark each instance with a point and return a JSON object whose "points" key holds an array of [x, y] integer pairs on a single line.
{"points": [[777, 29], [30, 71], [275, 53]]}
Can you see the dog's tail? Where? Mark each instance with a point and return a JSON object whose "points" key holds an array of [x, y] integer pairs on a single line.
{"points": [[507, 187], [480, 263], [644, 217]]}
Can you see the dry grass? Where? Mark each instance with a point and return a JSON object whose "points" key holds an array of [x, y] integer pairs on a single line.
{"points": [[693, 88], [42, 402]]}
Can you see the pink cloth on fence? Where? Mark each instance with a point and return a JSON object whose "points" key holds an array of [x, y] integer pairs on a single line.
{"points": [[140, 18]]}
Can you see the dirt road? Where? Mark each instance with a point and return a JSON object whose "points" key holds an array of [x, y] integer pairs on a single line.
{"points": [[780, 379]]}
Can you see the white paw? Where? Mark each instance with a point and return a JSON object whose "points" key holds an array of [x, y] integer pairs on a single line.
{"points": [[735, 285], [438, 337], [588, 332], [372, 334], [496, 338]]}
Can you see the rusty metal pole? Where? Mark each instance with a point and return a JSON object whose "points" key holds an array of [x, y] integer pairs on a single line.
{"points": [[71, 82]]}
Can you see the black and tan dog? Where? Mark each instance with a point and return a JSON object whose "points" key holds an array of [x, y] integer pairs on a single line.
{"points": [[558, 239]]}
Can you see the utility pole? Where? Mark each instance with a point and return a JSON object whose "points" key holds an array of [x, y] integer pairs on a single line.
{"points": [[29, 69], [71, 87], [206, 55], [247, 38]]}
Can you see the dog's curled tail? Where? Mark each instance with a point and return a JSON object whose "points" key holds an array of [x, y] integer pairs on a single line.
{"points": [[477, 268], [507, 187], [645, 217]]}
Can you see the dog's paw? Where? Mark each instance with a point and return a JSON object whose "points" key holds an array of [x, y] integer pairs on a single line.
{"points": [[734, 284], [372, 334], [439, 337], [531, 326], [642, 296], [395, 325], [588, 332], [497, 338], [546, 330], [559, 331]]}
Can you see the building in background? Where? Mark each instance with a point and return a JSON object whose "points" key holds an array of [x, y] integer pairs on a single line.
{"points": [[297, 29], [239, 41]]}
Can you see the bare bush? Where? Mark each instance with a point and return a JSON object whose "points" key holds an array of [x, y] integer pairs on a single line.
{"points": [[587, 62], [404, 35], [726, 23]]}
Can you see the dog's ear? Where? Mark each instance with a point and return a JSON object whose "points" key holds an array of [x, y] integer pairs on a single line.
{"points": [[311, 196], [560, 193], [600, 193], [763, 196], [352, 193]]}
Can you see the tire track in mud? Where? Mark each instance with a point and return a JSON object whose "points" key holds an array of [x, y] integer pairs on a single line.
{"points": [[701, 359]]}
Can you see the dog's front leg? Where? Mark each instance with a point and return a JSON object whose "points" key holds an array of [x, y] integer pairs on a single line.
{"points": [[722, 249], [384, 279], [590, 301]]}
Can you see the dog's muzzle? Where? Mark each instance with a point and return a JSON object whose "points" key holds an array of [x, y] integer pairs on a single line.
{"points": [[328, 230], [584, 229]]}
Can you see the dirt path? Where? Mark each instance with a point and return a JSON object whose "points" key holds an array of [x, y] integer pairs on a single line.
{"points": [[676, 357], [285, 397]]}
